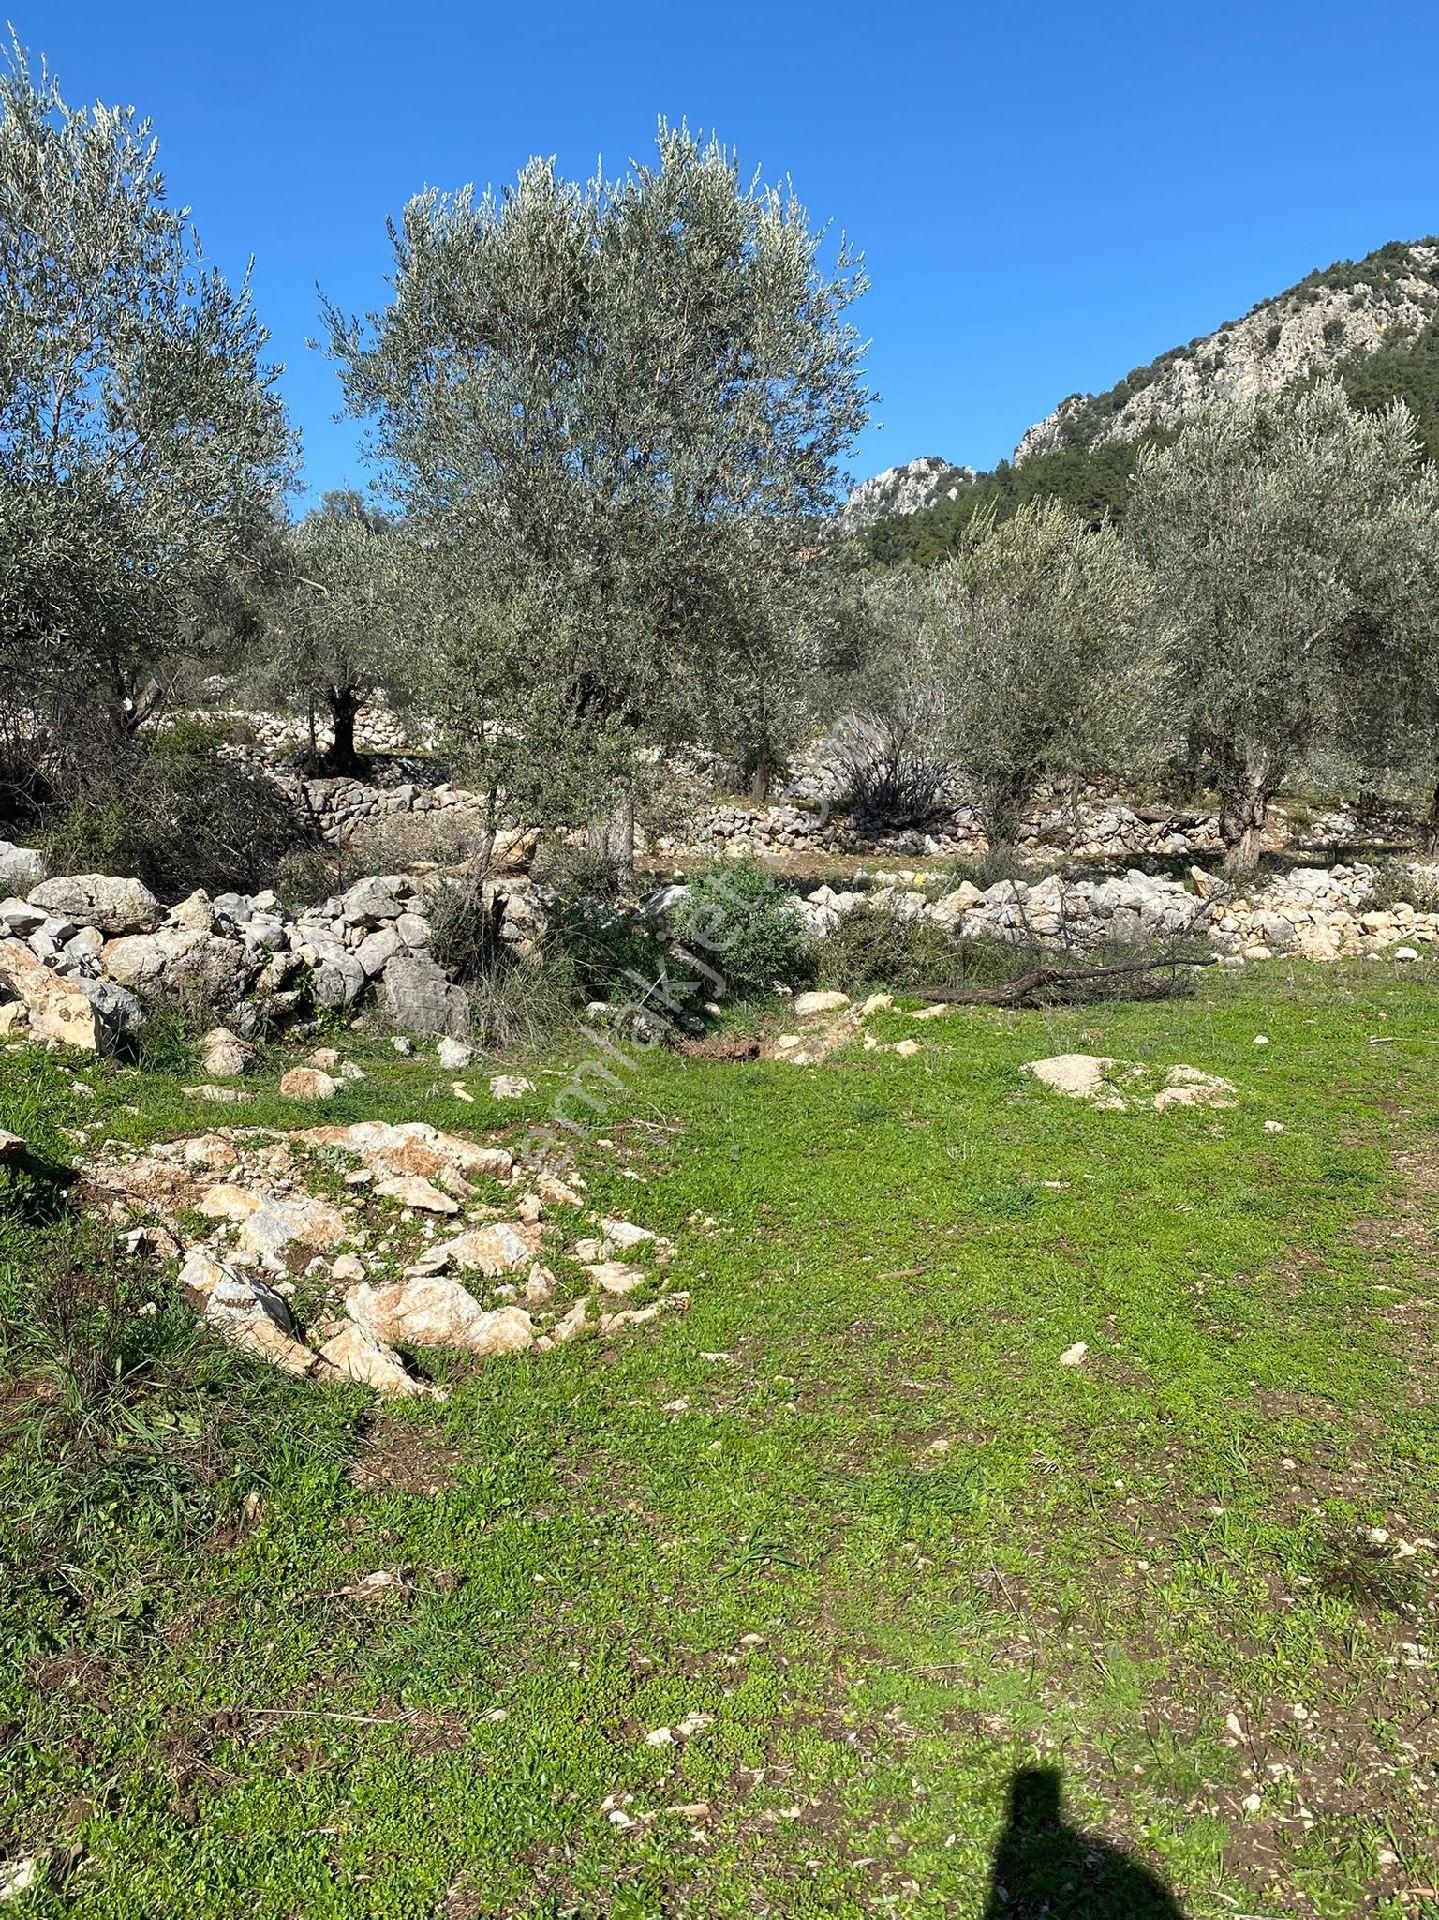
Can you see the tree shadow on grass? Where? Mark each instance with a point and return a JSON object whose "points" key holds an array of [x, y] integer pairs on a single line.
{"points": [[1045, 1869]]}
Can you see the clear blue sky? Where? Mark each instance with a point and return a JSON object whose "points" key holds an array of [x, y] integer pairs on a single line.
{"points": [[1046, 194]]}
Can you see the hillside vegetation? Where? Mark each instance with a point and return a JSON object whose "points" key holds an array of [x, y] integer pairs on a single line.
{"points": [[1086, 453]]}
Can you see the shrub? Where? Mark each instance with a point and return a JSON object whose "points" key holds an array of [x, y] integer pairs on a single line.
{"points": [[896, 775], [394, 842], [605, 946], [582, 873], [1400, 881], [520, 1005], [741, 923], [464, 928], [176, 816], [872, 947]]}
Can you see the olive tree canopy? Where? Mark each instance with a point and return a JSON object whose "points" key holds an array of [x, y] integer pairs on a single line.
{"points": [[1012, 663], [141, 441], [620, 405], [1292, 544]]}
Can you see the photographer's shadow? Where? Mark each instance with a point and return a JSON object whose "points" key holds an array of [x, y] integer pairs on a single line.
{"points": [[1045, 1869]]}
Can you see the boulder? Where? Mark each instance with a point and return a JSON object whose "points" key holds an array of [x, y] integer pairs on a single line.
{"points": [[308, 1083], [377, 949], [810, 1006], [89, 1014], [100, 900], [616, 1277], [413, 1146], [272, 1228], [244, 1311], [21, 867], [493, 1250], [353, 1354], [337, 979], [435, 1312], [370, 902], [1083, 1076], [224, 1055], [414, 1190], [417, 995]]}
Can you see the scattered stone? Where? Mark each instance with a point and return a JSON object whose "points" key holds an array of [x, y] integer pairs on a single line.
{"points": [[382, 1584], [493, 1250], [22, 1875], [454, 1055], [414, 1190], [437, 1313], [12, 1147], [1074, 1356], [224, 1055], [1405, 953], [308, 1083], [510, 1086], [624, 1234], [1188, 1087], [1104, 1082], [224, 1202], [219, 1096], [346, 1267], [809, 1006], [354, 1354], [413, 1146], [574, 1323], [613, 1276]]}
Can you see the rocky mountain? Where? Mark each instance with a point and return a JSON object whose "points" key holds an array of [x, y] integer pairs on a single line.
{"points": [[1351, 307], [908, 489]]}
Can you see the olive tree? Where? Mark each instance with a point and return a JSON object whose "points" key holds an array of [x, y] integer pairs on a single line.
{"points": [[340, 616], [621, 405], [1013, 663], [1036, 626], [1291, 544], [141, 440]]}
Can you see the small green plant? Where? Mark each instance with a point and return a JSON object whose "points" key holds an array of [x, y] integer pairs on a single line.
{"points": [[742, 925]]}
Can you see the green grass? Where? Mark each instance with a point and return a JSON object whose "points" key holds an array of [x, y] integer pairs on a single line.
{"points": [[851, 1508]]}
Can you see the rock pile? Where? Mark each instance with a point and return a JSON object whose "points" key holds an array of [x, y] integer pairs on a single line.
{"points": [[1115, 1085], [1322, 913], [378, 1280], [1315, 912], [1051, 912], [80, 955]]}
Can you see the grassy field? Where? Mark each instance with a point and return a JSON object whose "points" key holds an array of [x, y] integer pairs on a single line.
{"points": [[889, 1573]]}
